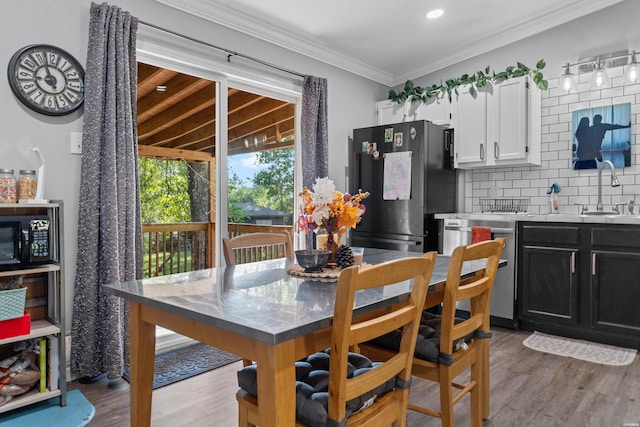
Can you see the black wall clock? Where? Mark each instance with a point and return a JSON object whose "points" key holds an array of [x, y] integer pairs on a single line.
{"points": [[47, 79]]}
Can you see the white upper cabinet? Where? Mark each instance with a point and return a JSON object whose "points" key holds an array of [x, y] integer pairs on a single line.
{"points": [[499, 126], [437, 111]]}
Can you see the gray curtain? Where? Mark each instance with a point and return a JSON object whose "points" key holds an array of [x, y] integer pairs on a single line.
{"points": [[315, 152], [109, 223]]}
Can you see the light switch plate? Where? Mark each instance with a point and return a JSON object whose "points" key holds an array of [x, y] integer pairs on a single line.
{"points": [[76, 142]]}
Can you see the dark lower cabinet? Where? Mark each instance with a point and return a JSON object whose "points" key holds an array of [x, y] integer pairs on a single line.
{"points": [[580, 281], [549, 284], [614, 279]]}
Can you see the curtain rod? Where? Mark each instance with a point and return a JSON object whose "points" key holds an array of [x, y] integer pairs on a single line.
{"points": [[229, 53]]}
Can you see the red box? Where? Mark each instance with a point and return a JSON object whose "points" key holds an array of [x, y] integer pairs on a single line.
{"points": [[14, 327]]}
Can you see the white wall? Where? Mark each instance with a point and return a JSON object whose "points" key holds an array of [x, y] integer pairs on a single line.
{"points": [[610, 30], [65, 24]]}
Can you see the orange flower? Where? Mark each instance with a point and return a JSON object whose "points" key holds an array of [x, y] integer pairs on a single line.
{"points": [[328, 209]]}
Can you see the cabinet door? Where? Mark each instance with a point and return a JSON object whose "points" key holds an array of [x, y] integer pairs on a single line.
{"points": [[549, 284], [507, 121], [615, 291], [437, 111], [389, 112], [470, 122]]}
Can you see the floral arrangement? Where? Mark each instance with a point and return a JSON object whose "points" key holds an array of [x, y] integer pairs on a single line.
{"points": [[325, 208]]}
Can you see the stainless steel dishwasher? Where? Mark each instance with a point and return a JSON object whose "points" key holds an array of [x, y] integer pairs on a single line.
{"points": [[457, 232]]}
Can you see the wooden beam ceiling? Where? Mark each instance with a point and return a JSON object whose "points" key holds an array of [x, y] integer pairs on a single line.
{"points": [[182, 117]]}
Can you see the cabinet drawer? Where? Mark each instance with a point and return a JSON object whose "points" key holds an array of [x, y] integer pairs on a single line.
{"points": [[565, 235], [616, 237]]}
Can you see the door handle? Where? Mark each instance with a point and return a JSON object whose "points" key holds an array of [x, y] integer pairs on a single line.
{"points": [[482, 151], [496, 150], [593, 264], [573, 262]]}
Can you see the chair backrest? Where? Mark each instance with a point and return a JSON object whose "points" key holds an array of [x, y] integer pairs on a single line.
{"points": [[476, 289], [346, 334], [253, 247]]}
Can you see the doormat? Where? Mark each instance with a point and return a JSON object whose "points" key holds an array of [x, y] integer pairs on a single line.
{"points": [[177, 365], [49, 413], [582, 350]]}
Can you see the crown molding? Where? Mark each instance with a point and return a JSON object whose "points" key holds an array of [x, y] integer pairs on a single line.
{"points": [[284, 38], [304, 45]]}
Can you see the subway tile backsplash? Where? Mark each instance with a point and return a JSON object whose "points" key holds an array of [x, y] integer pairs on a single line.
{"points": [[578, 186]]}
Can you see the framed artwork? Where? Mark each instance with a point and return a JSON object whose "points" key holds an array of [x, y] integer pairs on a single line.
{"points": [[602, 133], [398, 139], [388, 135], [365, 145]]}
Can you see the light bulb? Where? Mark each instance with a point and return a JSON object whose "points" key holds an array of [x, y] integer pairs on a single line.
{"points": [[632, 71], [567, 83], [599, 78]]}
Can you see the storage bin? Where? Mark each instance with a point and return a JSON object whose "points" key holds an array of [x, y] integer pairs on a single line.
{"points": [[12, 303], [15, 327]]}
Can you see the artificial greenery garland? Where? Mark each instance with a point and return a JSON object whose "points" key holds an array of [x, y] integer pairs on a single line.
{"points": [[475, 81]]}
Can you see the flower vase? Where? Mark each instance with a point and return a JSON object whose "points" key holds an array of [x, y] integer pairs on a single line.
{"points": [[333, 241], [330, 242]]}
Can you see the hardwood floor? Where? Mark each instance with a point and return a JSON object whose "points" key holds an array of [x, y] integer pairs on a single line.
{"points": [[528, 388]]}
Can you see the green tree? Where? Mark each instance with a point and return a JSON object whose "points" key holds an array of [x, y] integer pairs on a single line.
{"points": [[164, 195], [238, 192], [274, 183]]}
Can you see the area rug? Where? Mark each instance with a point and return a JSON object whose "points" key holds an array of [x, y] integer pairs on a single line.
{"points": [[49, 413], [177, 365], [582, 350]]}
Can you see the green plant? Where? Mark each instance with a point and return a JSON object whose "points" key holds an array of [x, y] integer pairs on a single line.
{"points": [[475, 81]]}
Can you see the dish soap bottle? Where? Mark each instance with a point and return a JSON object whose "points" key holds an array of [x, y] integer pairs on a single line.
{"points": [[553, 198]]}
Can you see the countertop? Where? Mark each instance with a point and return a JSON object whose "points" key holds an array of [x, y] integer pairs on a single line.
{"points": [[560, 217]]}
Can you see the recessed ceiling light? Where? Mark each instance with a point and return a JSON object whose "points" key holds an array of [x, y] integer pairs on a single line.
{"points": [[161, 88], [435, 13]]}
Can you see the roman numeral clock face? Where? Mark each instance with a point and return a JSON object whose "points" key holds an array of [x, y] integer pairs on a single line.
{"points": [[47, 79]]}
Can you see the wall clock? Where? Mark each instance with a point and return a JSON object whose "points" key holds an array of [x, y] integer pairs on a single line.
{"points": [[47, 79]]}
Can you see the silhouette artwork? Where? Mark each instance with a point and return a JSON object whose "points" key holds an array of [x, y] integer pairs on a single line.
{"points": [[596, 141]]}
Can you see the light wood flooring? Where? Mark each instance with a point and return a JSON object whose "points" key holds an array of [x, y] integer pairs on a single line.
{"points": [[528, 388]]}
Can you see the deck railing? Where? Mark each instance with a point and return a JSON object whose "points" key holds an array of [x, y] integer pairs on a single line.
{"points": [[183, 247]]}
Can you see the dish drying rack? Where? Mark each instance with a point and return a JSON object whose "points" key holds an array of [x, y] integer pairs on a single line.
{"points": [[504, 205]]}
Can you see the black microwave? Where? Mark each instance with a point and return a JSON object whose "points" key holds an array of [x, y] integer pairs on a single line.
{"points": [[24, 241]]}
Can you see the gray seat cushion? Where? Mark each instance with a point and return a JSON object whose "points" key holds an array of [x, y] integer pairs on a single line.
{"points": [[312, 383], [427, 342]]}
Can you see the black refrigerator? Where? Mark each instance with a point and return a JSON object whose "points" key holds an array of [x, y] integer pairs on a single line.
{"points": [[407, 168]]}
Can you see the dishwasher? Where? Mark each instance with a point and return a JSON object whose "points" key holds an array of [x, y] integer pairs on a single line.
{"points": [[457, 232]]}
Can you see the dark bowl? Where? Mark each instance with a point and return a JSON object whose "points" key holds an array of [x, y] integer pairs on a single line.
{"points": [[312, 260]]}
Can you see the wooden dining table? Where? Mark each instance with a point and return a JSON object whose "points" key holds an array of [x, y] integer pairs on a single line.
{"points": [[257, 311]]}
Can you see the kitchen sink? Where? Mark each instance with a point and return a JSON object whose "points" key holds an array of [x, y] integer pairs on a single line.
{"points": [[598, 213]]}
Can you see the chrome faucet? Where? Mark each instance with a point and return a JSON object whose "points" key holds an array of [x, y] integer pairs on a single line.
{"points": [[614, 182]]}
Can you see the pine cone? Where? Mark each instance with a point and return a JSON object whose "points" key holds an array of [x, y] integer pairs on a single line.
{"points": [[344, 256]]}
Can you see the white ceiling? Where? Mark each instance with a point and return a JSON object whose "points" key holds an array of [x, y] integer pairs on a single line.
{"points": [[389, 41]]}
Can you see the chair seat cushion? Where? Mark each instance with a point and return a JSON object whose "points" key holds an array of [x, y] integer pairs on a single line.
{"points": [[312, 384], [427, 341]]}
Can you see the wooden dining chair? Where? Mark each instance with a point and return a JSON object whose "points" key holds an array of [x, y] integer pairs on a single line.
{"points": [[376, 394], [253, 247], [446, 346]]}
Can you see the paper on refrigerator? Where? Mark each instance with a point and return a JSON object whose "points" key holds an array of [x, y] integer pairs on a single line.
{"points": [[397, 176]]}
